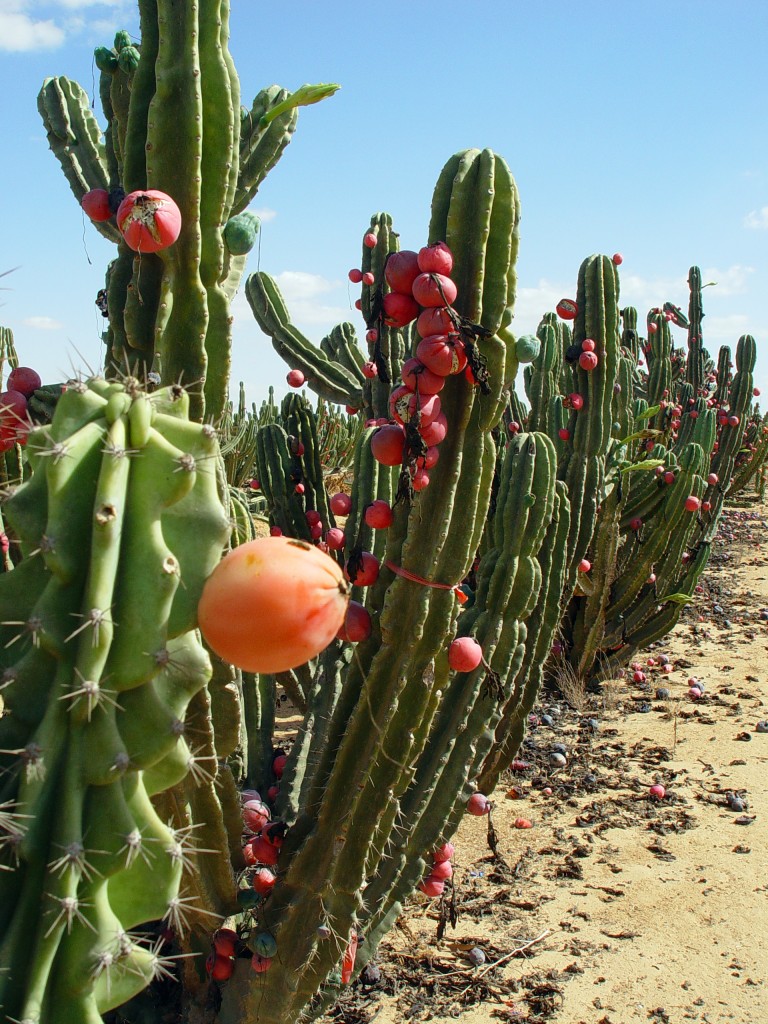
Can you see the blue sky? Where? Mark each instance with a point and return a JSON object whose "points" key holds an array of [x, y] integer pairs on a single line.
{"points": [[631, 127]]}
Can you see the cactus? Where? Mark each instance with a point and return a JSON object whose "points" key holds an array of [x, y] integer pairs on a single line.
{"points": [[174, 123]]}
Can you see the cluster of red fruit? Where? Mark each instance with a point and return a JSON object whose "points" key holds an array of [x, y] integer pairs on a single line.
{"points": [[441, 871], [420, 290], [149, 221], [14, 422]]}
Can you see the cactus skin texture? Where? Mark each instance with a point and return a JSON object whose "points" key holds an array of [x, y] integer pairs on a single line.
{"points": [[119, 522], [174, 123]]}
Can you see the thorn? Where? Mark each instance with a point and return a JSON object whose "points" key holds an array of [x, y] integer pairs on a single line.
{"points": [[194, 766], [180, 909], [33, 626], [134, 847], [93, 693], [70, 909], [95, 617], [74, 858]]}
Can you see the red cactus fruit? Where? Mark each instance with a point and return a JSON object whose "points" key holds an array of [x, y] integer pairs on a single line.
{"points": [[357, 624], [657, 791], [435, 259], [428, 460], [435, 320], [275, 531], [443, 354], [712, 479], [219, 968], [401, 270], [370, 370], [464, 654], [368, 278], [278, 767], [399, 309], [405, 405], [478, 804], [334, 538], [433, 433], [420, 479], [585, 565], [355, 275], [271, 604], [733, 421], [348, 960], [24, 379], [340, 503], [264, 851], [225, 941], [96, 204], [564, 434], [418, 377], [442, 870], [295, 378], [692, 503], [369, 240], [566, 309], [523, 823], [444, 852], [379, 515], [514, 427], [588, 345], [635, 524], [669, 477], [149, 221], [388, 444], [368, 571], [577, 402], [432, 886], [617, 258], [588, 361], [434, 290], [260, 964], [255, 815], [263, 881], [312, 516]]}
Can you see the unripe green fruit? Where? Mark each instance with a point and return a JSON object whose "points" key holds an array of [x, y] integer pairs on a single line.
{"points": [[128, 59], [240, 232], [106, 59]]}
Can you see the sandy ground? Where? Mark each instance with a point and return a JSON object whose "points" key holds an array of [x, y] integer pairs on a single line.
{"points": [[616, 907]]}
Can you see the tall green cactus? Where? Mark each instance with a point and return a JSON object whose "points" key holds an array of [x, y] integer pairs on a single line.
{"points": [[174, 123]]}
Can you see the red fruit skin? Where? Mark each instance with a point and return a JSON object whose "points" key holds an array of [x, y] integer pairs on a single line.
{"points": [[434, 290], [255, 815], [588, 361], [564, 434], [357, 624], [388, 444], [96, 205], [618, 259], [379, 515], [348, 962], [478, 804], [368, 572], [418, 377], [260, 964], [312, 516], [444, 852], [433, 433], [430, 459], [436, 320], [225, 941], [420, 479], [585, 565], [368, 278], [13, 408], [441, 870], [432, 886], [399, 309], [443, 354], [657, 791], [588, 345], [369, 240], [692, 503], [341, 504], [464, 654], [334, 538], [295, 378], [219, 968], [566, 309], [404, 405], [264, 852], [401, 271], [370, 370], [278, 765], [263, 881], [355, 275], [24, 379], [635, 524], [149, 221], [435, 259]]}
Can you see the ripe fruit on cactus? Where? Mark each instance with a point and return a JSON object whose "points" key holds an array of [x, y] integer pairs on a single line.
{"points": [[357, 624], [418, 377], [399, 309], [432, 886], [401, 271], [149, 221], [224, 941], [435, 320], [272, 604], [379, 515], [367, 571], [566, 309], [692, 503], [96, 204], [295, 378], [219, 968], [341, 504], [465, 654], [434, 290], [263, 881], [478, 804], [435, 259], [585, 565], [588, 361], [443, 354], [387, 445], [24, 379]]}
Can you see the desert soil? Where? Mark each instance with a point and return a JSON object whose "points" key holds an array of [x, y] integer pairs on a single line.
{"points": [[616, 907]]}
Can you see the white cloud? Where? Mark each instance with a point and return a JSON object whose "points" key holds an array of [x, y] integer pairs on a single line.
{"points": [[42, 323], [78, 5], [265, 214], [21, 33], [757, 220]]}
